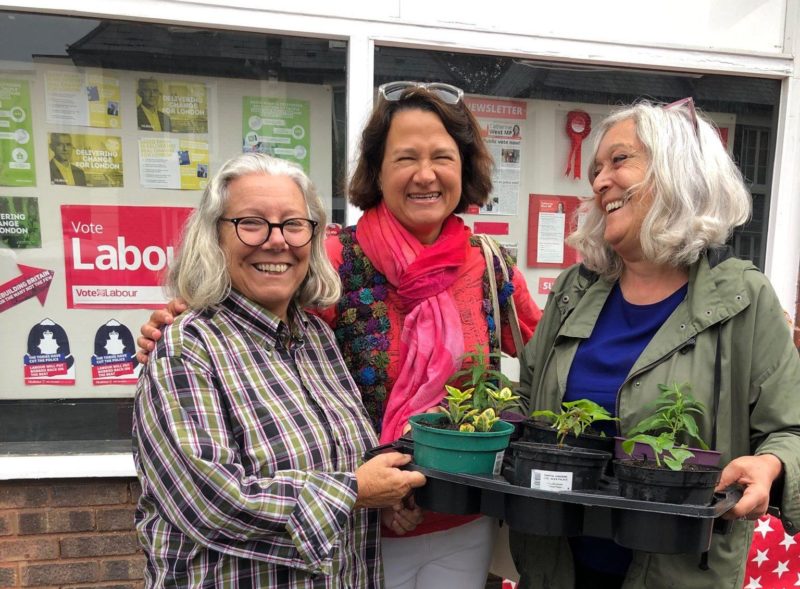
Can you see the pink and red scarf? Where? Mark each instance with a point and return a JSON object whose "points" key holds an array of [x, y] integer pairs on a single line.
{"points": [[431, 340]]}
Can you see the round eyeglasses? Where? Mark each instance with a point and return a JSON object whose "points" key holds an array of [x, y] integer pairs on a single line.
{"points": [[254, 231], [394, 91]]}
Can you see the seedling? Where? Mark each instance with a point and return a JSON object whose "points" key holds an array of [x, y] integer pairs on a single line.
{"points": [[575, 417]]}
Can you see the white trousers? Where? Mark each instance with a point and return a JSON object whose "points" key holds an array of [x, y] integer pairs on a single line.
{"points": [[457, 558]]}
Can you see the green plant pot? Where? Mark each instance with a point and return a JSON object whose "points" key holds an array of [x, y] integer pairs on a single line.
{"points": [[459, 452]]}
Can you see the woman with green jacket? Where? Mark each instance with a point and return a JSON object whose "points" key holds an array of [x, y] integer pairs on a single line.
{"points": [[657, 300]]}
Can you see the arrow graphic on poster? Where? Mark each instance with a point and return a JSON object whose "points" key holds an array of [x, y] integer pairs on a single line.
{"points": [[33, 282]]}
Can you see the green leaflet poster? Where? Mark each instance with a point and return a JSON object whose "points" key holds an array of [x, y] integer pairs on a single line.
{"points": [[279, 127], [17, 167], [19, 222]]}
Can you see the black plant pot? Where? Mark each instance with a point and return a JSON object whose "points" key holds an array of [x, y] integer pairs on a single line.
{"points": [[542, 432], [517, 420], [582, 467], [642, 451], [650, 531], [542, 517], [448, 497], [643, 480], [663, 533], [545, 466]]}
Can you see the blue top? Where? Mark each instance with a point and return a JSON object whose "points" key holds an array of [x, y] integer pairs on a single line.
{"points": [[620, 335], [601, 365]]}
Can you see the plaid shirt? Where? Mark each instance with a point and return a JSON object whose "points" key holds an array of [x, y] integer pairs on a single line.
{"points": [[246, 439]]}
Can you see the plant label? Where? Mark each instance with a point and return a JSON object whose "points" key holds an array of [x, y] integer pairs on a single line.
{"points": [[498, 462], [551, 480]]}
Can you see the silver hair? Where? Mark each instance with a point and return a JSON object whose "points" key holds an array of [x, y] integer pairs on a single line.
{"points": [[199, 273], [699, 195]]}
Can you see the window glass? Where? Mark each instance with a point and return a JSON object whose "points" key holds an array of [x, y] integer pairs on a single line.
{"points": [[109, 132], [535, 116]]}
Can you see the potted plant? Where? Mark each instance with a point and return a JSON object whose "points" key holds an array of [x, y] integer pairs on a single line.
{"points": [[673, 415], [664, 473], [479, 373], [467, 436], [571, 426], [554, 454]]}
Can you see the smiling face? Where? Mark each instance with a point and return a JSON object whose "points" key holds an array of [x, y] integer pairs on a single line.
{"points": [[620, 164], [421, 173], [271, 273]]}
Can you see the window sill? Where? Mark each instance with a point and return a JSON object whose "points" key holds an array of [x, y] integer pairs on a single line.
{"points": [[68, 461]]}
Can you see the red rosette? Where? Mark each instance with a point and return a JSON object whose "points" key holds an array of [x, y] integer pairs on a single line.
{"points": [[579, 125]]}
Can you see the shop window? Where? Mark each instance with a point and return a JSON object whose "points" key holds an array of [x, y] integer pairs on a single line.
{"points": [[109, 132], [524, 107]]}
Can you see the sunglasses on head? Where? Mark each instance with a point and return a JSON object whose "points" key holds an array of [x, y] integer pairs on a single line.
{"points": [[394, 91], [688, 102]]}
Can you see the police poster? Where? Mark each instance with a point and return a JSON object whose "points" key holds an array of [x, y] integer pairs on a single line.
{"points": [[48, 360], [114, 358]]}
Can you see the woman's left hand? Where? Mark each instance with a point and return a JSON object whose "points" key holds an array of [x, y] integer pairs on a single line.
{"points": [[756, 474]]}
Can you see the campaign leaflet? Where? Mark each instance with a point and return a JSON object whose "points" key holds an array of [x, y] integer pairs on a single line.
{"points": [[20, 227], [82, 98], [115, 256], [85, 160], [176, 164], [501, 123], [17, 167], [114, 359], [278, 127], [171, 106], [48, 361]]}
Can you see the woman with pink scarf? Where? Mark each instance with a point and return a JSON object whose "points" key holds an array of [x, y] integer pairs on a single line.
{"points": [[415, 300]]}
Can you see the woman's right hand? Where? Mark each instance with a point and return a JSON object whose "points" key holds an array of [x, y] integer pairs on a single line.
{"points": [[403, 517], [381, 483], [151, 331]]}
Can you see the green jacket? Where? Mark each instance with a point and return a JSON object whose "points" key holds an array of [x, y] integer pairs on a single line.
{"points": [[759, 403]]}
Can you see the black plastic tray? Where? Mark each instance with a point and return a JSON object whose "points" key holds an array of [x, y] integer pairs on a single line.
{"points": [[641, 525]]}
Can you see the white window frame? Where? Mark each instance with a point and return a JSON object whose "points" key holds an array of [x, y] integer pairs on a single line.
{"points": [[364, 34]]}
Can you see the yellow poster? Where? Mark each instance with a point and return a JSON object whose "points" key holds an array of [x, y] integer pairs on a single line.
{"points": [[85, 99], [193, 161], [103, 92], [176, 164], [85, 160], [171, 107]]}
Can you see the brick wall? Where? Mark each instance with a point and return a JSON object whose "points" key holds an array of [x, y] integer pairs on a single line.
{"points": [[69, 534]]}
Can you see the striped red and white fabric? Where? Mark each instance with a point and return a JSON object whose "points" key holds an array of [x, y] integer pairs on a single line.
{"points": [[774, 558]]}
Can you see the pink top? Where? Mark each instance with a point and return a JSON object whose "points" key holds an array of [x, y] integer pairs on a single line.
{"points": [[468, 294]]}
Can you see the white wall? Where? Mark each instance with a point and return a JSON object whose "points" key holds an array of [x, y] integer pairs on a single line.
{"points": [[740, 25]]}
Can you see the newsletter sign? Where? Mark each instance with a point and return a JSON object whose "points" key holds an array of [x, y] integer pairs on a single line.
{"points": [[116, 256]]}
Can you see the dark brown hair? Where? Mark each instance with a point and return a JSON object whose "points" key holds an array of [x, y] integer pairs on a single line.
{"points": [[476, 163]]}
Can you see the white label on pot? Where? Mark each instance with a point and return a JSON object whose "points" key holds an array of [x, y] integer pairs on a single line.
{"points": [[551, 480], [498, 462]]}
